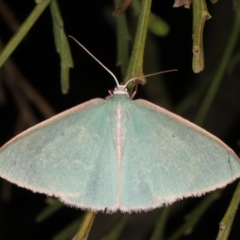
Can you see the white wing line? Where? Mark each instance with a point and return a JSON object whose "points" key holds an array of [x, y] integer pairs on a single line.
{"points": [[119, 152]]}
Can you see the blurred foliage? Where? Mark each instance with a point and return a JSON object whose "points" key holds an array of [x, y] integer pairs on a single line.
{"points": [[30, 91]]}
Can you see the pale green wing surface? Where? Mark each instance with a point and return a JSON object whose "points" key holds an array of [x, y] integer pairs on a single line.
{"points": [[67, 156], [118, 154], [166, 158]]}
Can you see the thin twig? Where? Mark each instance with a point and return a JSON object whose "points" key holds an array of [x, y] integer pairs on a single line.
{"points": [[225, 225], [233, 37], [135, 67], [85, 227], [23, 30]]}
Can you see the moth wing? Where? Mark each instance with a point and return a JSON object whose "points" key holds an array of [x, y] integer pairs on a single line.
{"points": [[167, 158], [67, 156]]}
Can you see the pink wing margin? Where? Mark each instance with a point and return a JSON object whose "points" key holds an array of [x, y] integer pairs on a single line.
{"points": [[186, 123], [55, 118]]}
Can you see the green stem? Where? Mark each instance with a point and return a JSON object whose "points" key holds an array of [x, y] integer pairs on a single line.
{"points": [[62, 45], [200, 15], [23, 30], [221, 70], [136, 60], [195, 215], [122, 40], [194, 96], [83, 231], [158, 233], [118, 229], [67, 232], [227, 221], [49, 210]]}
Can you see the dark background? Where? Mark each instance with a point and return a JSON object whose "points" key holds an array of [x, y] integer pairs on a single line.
{"points": [[91, 23]]}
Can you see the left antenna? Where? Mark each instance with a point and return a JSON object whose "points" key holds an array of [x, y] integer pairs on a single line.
{"points": [[95, 59]]}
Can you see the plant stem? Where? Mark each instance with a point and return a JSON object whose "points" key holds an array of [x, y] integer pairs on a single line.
{"points": [[62, 45], [23, 30], [227, 221], [200, 15], [116, 232], [195, 215], [122, 40], [221, 70], [84, 229], [136, 60], [158, 232]]}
